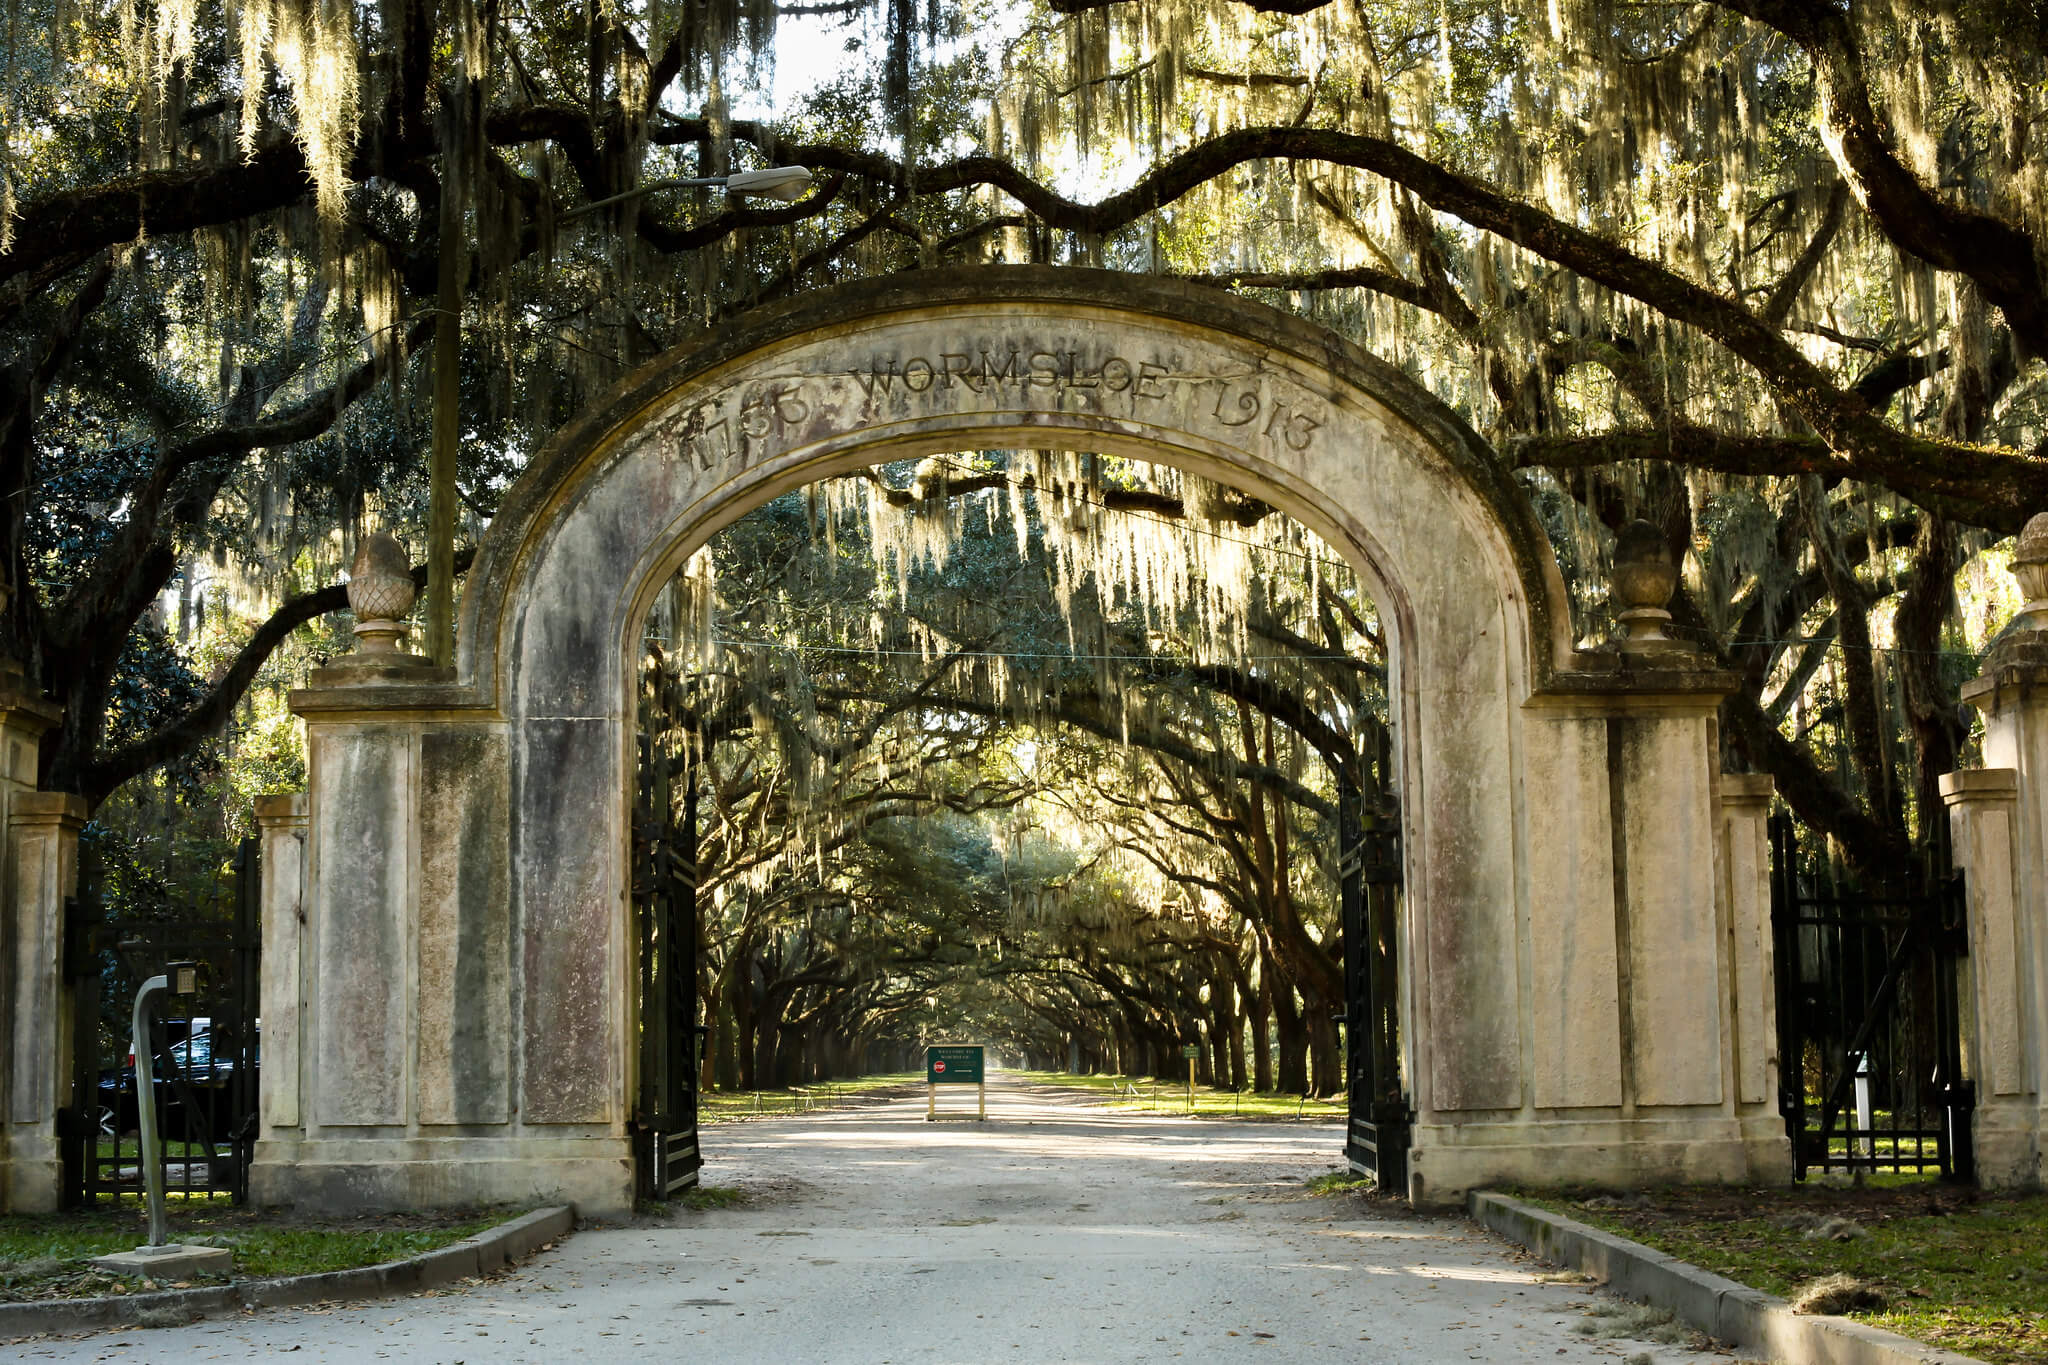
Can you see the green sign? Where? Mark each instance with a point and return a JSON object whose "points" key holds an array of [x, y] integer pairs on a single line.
{"points": [[953, 1065], [1190, 1051]]}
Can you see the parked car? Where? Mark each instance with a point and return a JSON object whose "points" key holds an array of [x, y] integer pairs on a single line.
{"points": [[207, 1080]]}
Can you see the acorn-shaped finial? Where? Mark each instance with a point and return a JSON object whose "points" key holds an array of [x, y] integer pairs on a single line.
{"points": [[380, 593], [2030, 567]]}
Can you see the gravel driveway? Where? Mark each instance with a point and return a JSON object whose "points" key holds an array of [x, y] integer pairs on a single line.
{"points": [[1054, 1231]]}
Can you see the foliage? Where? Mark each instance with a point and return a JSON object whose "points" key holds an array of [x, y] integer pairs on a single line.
{"points": [[946, 784]]}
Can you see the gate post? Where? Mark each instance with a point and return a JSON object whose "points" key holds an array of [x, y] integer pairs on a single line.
{"points": [[1983, 829], [43, 831], [23, 719], [282, 820], [2004, 858], [1746, 883]]}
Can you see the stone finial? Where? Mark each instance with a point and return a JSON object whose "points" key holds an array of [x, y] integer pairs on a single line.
{"points": [[380, 593], [2030, 567], [1645, 576]]}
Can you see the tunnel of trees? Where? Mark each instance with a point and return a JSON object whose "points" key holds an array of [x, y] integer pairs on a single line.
{"points": [[1040, 745], [1767, 274]]}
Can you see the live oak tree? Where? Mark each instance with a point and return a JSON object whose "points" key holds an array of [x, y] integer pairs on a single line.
{"points": [[1000, 724], [1768, 273]]}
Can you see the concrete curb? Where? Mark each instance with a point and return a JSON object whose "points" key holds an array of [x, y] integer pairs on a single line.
{"points": [[479, 1255], [1734, 1313]]}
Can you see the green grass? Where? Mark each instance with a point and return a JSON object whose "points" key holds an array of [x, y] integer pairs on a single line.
{"points": [[1957, 1270], [1169, 1095], [731, 1106], [1343, 1180], [702, 1197], [44, 1256]]}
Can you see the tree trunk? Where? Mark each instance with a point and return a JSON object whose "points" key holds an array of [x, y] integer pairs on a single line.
{"points": [[1326, 1067], [1292, 1032], [1224, 1064], [1259, 1012]]}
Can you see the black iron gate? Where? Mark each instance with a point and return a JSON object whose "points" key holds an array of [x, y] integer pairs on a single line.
{"points": [[204, 1048], [1869, 1036], [1377, 1128], [665, 926]]}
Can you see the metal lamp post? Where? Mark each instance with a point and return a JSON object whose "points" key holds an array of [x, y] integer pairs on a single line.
{"points": [[160, 1257]]}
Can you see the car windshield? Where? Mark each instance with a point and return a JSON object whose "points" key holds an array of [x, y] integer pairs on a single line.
{"points": [[196, 1051]]}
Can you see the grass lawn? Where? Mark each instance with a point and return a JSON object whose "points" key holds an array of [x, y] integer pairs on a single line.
{"points": [[1955, 1268], [731, 1106], [1169, 1095], [44, 1256]]}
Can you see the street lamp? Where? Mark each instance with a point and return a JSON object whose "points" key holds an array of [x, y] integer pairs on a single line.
{"points": [[787, 183], [161, 1258]]}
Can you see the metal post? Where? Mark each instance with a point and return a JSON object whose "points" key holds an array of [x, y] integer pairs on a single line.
{"points": [[145, 1109]]}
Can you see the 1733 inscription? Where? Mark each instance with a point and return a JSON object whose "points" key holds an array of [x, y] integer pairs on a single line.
{"points": [[754, 421]]}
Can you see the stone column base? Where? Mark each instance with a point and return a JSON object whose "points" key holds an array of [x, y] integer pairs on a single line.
{"points": [[34, 1175], [2006, 1142], [1450, 1160], [375, 1175]]}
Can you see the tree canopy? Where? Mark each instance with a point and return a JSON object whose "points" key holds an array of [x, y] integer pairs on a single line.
{"points": [[1772, 275]]}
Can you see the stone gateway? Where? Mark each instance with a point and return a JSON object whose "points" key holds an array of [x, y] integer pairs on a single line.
{"points": [[448, 983]]}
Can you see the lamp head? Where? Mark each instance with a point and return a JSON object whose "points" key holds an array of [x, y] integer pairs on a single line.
{"points": [[787, 183]]}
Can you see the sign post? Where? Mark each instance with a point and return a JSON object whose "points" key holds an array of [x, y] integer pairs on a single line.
{"points": [[953, 1064], [1191, 1051]]}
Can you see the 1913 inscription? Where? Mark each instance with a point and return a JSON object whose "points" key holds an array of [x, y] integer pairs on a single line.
{"points": [[750, 422]]}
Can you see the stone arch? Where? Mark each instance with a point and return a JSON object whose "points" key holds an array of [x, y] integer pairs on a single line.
{"points": [[499, 895]]}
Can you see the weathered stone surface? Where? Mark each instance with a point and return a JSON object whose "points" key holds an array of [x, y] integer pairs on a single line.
{"points": [[465, 936], [172, 1262], [43, 828], [1676, 1029], [1746, 883], [1575, 996], [570, 786], [2014, 699], [282, 822], [360, 894]]}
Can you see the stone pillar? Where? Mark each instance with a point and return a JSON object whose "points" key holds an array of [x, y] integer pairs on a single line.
{"points": [[282, 820], [2011, 1007], [1998, 1035], [1649, 951], [392, 960], [43, 831], [1746, 890], [24, 718]]}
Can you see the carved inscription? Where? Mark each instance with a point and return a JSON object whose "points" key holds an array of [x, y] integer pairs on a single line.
{"points": [[750, 422], [1244, 405], [722, 432], [982, 370]]}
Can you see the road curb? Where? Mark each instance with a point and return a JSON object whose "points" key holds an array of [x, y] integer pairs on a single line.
{"points": [[479, 1255], [1734, 1313]]}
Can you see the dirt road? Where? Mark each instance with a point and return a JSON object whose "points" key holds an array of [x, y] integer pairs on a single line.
{"points": [[1054, 1231]]}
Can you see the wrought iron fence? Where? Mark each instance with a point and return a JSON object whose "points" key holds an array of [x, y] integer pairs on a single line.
{"points": [[205, 1050], [1870, 1071]]}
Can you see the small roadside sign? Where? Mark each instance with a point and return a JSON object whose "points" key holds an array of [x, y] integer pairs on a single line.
{"points": [[954, 1064], [1190, 1051]]}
